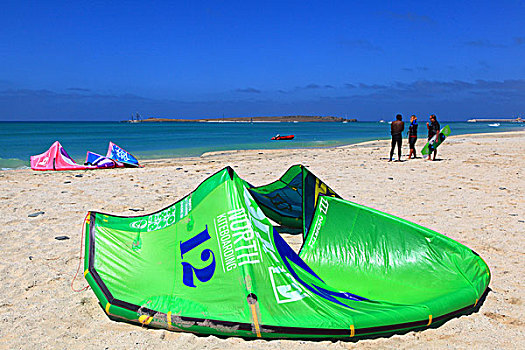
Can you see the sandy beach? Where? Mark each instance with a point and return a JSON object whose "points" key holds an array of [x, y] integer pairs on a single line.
{"points": [[474, 194]]}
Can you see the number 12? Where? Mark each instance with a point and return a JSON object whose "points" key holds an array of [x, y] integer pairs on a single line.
{"points": [[204, 274]]}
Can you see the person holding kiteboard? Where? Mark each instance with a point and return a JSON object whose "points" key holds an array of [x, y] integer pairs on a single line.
{"points": [[412, 136], [396, 128], [433, 130]]}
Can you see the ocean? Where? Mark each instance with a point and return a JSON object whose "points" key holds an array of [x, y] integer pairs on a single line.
{"points": [[20, 140]]}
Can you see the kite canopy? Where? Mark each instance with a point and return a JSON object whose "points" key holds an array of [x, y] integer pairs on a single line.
{"points": [[121, 155], [101, 161], [213, 263], [290, 201], [56, 158]]}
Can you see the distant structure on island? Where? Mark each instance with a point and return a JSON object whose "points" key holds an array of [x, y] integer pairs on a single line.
{"points": [[282, 119], [133, 120], [517, 120]]}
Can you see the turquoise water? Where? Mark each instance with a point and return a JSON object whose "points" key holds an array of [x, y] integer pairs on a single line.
{"points": [[18, 141]]}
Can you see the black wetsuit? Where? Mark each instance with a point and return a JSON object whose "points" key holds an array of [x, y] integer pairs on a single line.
{"points": [[396, 128], [433, 129], [412, 137]]}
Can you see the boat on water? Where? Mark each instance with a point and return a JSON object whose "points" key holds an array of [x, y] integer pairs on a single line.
{"points": [[135, 119], [381, 121], [283, 137], [494, 125]]}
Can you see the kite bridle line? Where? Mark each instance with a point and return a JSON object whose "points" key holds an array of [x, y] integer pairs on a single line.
{"points": [[80, 256]]}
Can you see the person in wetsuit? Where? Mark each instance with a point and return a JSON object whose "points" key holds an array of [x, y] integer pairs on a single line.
{"points": [[412, 136], [396, 128], [433, 130]]}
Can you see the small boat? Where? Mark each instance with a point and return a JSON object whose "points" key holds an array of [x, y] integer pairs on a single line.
{"points": [[495, 125], [381, 121], [283, 137], [133, 120]]}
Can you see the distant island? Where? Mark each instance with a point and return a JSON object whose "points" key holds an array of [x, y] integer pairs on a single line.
{"points": [[284, 119]]}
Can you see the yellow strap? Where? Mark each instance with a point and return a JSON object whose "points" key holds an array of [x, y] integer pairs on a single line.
{"points": [[255, 320], [107, 307], [145, 319], [476, 303], [169, 318], [352, 331], [429, 320], [86, 272]]}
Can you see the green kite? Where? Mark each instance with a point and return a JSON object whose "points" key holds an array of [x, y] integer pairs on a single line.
{"points": [[214, 263]]}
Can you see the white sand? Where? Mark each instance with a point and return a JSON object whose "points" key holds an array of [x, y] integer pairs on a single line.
{"points": [[475, 195]]}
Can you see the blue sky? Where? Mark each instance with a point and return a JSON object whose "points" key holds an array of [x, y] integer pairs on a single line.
{"points": [[369, 60]]}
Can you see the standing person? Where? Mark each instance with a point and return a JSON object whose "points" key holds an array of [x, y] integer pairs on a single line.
{"points": [[433, 130], [396, 128], [412, 136]]}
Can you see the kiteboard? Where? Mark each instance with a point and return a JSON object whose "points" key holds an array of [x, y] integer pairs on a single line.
{"points": [[432, 144]]}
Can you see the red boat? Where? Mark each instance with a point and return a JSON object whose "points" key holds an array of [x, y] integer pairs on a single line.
{"points": [[284, 137]]}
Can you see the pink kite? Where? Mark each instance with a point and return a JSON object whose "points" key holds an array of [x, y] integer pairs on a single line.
{"points": [[56, 158]]}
